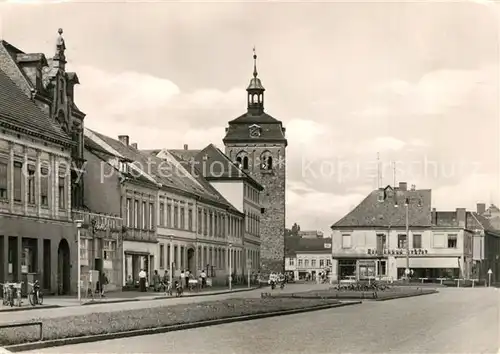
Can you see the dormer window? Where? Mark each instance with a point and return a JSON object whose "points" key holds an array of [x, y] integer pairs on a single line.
{"points": [[381, 196]]}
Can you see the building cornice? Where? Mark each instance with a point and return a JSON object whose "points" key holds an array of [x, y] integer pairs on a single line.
{"points": [[40, 135]]}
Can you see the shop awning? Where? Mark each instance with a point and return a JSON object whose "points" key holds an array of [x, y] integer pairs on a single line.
{"points": [[428, 262]]}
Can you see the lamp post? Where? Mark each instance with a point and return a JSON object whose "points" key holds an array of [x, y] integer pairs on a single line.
{"points": [[407, 228], [171, 257], [407, 210], [79, 224], [230, 267]]}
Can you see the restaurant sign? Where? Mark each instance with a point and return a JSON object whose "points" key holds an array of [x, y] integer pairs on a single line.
{"points": [[397, 251]]}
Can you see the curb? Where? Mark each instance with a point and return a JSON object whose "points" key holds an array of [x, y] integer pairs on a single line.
{"points": [[142, 332], [406, 295], [17, 309], [166, 297]]}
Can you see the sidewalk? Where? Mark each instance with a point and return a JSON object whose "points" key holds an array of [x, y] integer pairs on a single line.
{"points": [[74, 308], [112, 298]]}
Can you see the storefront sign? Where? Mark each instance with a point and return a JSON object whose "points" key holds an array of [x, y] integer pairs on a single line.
{"points": [[397, 251]]}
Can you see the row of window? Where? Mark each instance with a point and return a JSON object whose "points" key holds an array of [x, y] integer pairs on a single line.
{"points": [[139, 214], [439, 241], [313, 263], [251, 193], [207, 257], [30, 181], [252, 224], [177, 219]]}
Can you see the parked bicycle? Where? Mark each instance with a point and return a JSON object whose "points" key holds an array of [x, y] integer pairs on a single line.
{"points": [[35, 296]]}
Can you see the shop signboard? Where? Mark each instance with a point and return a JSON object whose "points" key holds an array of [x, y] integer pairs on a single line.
{"points": [[397, 251]]}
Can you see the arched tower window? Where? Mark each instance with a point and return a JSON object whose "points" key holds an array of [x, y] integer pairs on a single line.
{"points": [[266, 161], [242, 160]]}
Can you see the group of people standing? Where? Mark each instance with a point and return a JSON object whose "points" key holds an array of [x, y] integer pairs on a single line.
{"points": [[158, 282]]}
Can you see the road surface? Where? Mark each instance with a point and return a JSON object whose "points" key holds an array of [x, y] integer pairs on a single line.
{"points": [[453, 321]]}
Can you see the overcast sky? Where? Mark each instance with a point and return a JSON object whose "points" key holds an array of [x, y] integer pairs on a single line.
{"points": [[416, 82]]}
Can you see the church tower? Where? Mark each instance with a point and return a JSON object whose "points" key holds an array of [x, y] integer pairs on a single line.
{"points": [[256, 141]]}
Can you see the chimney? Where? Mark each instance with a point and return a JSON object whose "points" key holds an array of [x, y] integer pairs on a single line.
{"points": [[403, 186], [481, 208], [461, 217], [413, 187], [134, 145], [434, 216], [185, 146], [124, 139]]}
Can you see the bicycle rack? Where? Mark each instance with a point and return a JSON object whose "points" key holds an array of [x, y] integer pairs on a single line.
{"points": [[25, 324]]}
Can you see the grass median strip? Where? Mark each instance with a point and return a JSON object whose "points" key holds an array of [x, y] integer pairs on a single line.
{"points": [[332, 293], [129, 320]]}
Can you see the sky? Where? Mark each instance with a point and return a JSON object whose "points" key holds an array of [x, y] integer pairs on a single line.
{"points": [[415, 83]]}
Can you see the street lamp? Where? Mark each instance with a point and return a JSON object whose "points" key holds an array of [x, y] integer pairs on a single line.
{"points": [[79, 224], [230, 267], [407, 227], [171, 257]]}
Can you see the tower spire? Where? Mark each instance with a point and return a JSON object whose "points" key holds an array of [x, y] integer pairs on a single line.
{"points": [[255, 91], [254, 63]]}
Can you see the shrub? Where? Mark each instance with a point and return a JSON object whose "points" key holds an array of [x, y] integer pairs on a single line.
{"points": [[120, 321]]}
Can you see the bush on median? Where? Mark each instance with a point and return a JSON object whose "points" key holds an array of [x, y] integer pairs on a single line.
{"points": [[121, 321]]}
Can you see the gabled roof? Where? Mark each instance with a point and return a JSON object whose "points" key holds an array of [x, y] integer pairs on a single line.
{"points": [[215, 165], [296, 244], [374, 213], [165, 173], [184, 154], [20, 113]]}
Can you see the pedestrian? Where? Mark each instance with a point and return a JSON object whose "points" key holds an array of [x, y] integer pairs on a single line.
{"points": [[103, 281], [156, 281], [165, 280], [203, 279], [142, 281], [187, 278], [183, 278]]}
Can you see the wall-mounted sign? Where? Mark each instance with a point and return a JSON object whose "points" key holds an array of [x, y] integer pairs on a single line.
{"points": [[327, 245], [397, 251]]}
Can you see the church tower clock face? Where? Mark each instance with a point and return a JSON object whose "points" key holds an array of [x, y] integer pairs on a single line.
{"points": [[254, 131]]}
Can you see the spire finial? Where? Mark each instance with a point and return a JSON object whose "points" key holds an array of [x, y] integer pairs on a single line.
{"points": [[254, 63], [60, 31]]}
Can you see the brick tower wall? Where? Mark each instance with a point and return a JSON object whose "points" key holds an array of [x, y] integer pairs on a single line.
{"points": [[272, 222]]}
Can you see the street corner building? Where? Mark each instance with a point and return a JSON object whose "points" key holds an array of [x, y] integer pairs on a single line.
{"points": [[256, 142], [40, 146], [394, 229]]}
